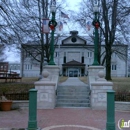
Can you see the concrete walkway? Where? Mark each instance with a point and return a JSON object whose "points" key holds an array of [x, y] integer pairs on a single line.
{"points": [[73, 81]]}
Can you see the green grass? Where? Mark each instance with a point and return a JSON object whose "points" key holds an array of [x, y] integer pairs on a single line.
{"points": [[15, 88], [20, 87], [119, 84]]}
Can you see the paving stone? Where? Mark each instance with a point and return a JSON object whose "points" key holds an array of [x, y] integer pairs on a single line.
{"points": [[60, 116]]}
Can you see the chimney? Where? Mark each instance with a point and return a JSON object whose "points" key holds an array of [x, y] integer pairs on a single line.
{"points": [[73, 33]]}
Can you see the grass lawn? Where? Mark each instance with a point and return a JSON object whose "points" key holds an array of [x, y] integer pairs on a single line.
{"points": [[21, 87], [119, 84]]}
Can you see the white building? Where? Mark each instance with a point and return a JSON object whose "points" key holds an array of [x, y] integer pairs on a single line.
{"points": [[74, 54], [14, 67]]}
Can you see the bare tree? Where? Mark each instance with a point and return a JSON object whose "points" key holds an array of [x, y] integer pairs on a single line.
{"points": [[113, 15]]}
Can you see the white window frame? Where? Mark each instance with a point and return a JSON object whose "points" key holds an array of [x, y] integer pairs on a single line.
{"points": [[89, 54], [113, 67]]}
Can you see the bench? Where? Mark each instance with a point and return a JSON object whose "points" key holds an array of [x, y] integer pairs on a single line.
{"points": [[13, 76], [4, 74]]}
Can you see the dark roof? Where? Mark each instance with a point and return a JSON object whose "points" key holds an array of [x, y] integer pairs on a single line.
{"points": [[73, 63]]}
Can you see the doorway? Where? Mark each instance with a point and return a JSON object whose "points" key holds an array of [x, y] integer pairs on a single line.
{"points": [[73, 73]]}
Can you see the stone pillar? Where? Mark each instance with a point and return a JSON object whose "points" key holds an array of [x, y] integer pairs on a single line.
{"points": [[99, 90], [93, 73], [46, 96], [54, 71]]}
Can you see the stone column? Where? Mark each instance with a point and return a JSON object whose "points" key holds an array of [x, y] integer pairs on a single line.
{"points": [[99, 90], [46, 96], [93, 73], [54, 71]]}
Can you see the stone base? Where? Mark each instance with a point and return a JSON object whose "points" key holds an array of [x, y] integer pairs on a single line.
{"points": [[46, 95], [99, 87], [99, 94]]}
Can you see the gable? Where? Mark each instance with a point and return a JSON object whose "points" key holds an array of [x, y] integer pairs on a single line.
{"points": [[73, 63], [73, 40]]}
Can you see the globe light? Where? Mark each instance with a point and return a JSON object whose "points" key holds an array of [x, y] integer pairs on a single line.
{"points": [[53, 8], [95, 8]]}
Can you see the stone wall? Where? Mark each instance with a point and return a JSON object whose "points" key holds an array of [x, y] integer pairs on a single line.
{"points": [[22, 104], [119, 106], [122, 106]]}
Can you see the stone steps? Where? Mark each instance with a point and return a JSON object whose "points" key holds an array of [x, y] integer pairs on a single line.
{"points": [[60, 104], [73, 96]]}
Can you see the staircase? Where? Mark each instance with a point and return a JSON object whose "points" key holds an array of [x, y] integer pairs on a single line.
{"points": [[73, 96]]}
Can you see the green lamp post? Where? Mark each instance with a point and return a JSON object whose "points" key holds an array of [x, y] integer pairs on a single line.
{"points": [[52, 25], [96, 25]]}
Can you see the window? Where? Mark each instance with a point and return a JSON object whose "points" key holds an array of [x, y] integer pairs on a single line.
{"points": [[56, 54], [90, 54], [28, 67], [64, 59], [113, 67], [82, 61]]}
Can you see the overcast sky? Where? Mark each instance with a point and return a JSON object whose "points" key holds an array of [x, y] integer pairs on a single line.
{"points": [[13, 56]]}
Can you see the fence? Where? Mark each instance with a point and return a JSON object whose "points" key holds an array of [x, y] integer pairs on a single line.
{"points": [[25, 96], [17, 96], [124, 97]]}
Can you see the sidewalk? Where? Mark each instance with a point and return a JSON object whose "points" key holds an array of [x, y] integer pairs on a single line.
{"points": [[73, 81], [60, 119]]}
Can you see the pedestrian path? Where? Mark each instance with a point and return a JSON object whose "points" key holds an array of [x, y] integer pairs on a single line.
{"points": [[73, 81], [60, 119]]}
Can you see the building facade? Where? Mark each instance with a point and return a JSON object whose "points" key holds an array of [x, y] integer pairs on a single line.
{"points": [[74, 54]]}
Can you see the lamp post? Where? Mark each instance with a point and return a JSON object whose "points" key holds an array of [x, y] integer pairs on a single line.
{"points": [[52, 24], [96, 25]]}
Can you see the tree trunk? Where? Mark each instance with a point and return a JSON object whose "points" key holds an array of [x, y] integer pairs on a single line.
{"points": [[41, 64], [108, 62]]}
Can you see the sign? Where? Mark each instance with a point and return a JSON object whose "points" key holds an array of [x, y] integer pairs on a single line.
{"points": [[123, 124], [45, 27]]}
